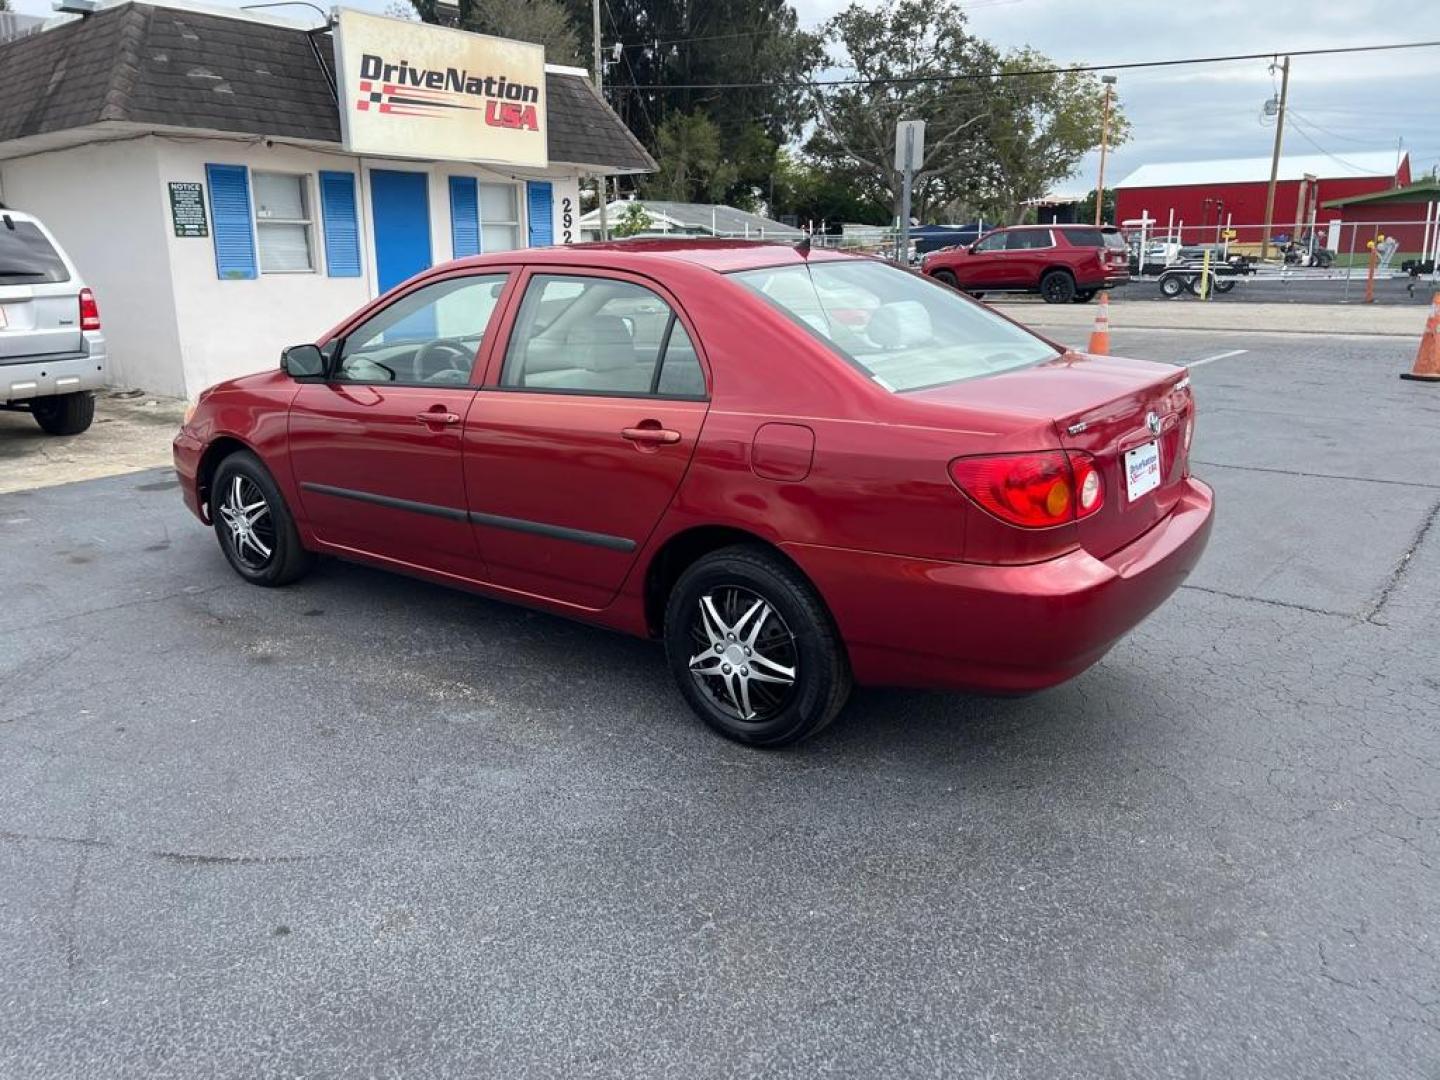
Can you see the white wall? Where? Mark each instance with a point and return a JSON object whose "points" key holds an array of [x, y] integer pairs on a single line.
{"points": [[173, 326], [107, 206], [229, 328]]}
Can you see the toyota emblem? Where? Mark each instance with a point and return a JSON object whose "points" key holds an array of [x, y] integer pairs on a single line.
{"points": [[1153, 423]]}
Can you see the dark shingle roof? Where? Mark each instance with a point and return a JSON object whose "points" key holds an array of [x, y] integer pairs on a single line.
{"points": [[180, 68]]}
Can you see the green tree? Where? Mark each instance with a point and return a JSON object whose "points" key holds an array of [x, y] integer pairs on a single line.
{"points": [[817, 197], [692, 160], [544, 22], [1037, 129], [896, 52], [993, 138], [1085, 208], [668, 48], [634, 220]]}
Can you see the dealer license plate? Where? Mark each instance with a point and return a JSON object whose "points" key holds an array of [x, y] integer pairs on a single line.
{"points": [[1142, 470]]}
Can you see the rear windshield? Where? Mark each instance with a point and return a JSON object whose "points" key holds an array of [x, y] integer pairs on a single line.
{"points": [[903, 330], [26, 257], [1110, 238]]}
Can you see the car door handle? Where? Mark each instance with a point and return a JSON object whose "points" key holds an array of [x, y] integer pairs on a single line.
{"points": [[656, 435], [437, 418]]}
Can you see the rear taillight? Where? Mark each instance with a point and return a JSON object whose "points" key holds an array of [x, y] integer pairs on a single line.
{"points": [[1034, 491], [89, 311]]}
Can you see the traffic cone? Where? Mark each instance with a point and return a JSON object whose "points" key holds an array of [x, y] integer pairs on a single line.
{"points": [[1100, 336], [1427, 360]]}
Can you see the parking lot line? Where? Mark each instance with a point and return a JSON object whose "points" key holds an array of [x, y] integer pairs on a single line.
{"points": [[1217, 356]]}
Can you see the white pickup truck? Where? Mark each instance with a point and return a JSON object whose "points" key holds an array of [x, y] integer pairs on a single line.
{"points": [[52, 353]]}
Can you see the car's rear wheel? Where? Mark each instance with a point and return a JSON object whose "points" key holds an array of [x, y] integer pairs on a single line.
{"points": [[1084, 296], [253, 524], [945, 277], [1057, 287], [64, 414], [753, 649]]}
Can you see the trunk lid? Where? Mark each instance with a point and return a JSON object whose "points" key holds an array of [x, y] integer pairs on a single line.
{"points": [[1099, 405], [1145, 410]]}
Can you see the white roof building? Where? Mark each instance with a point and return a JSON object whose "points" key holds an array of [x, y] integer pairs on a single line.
{"points": [[1382, 163]]}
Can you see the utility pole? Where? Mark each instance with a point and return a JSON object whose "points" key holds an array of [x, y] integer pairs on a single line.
{"points": [[1275, 157], [1109, 81], [600, 184]]}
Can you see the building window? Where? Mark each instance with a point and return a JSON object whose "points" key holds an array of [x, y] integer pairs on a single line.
{"points": [[282, 223], [499, 218]]}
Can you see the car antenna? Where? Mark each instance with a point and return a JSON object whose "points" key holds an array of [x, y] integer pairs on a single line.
{"points": [[803, 247]]}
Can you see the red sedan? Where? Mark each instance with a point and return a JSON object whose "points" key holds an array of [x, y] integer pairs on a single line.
{"points": [[799, 469]]}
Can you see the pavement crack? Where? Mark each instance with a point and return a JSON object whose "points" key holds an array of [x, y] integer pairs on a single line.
{"points": [[1272, 603], [139, 602], [1315, 475], [181, 858], [1397, 573]]}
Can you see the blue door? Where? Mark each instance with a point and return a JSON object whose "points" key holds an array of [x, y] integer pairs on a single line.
{"points": [[538, 196], [401, 207]]}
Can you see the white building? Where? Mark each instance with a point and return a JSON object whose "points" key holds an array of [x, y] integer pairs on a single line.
{"points": [[193, 164], [691, 219]]}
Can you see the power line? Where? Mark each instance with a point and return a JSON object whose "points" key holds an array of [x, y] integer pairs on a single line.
{"points": [[984, 76]]}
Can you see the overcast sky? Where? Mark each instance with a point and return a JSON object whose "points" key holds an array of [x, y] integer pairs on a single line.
{"points": [[1339, 104]]}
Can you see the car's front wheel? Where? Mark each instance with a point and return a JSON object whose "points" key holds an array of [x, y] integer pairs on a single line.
{"points": [[945, 277], [1057, 287], [253, 524], [64, 414], [753, 649]]}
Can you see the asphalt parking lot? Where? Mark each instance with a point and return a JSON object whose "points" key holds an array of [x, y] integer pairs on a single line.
{"points": [[367, 827]]}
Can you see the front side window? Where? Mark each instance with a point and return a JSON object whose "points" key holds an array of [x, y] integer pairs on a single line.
{"points": [[282, 223], [26, 257], [993, 242], [430, 336], [904, 331], [601, 336], [499, 217]]}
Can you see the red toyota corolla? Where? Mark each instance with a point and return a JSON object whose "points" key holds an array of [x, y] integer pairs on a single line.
{"points": [[797, 468]]}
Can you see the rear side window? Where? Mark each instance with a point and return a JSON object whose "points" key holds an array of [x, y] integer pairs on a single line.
{"points": [[595, 335], [902, 330], [1096, 238], [1029, 239], [26, 257]]}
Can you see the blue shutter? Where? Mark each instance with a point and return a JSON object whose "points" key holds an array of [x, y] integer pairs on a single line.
{"points": [[230, 215], [541, 215], [342, 224], [464, 216]]}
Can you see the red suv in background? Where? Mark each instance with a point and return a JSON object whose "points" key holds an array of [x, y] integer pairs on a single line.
{"points": [[1062, 263]]}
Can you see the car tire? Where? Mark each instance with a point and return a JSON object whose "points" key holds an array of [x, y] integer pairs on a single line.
{"points": [[64, 414], [261, 544], [977, 296], [1084, 296], [748, 598], [1172, 285], [945, 277], [1057, 287], [1222, 285]]}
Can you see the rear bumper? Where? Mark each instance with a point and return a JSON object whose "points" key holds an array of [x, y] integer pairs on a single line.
{"points": [[1007, 629], [63, 373]]}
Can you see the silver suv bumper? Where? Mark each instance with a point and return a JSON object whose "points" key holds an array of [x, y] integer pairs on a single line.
{"points": [[62, 373]]}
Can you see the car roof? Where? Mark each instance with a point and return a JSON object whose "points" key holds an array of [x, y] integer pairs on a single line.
{"points": [[720, 255]]}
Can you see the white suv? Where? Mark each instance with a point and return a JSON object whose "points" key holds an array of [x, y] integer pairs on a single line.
{"points": [[52, 354]]}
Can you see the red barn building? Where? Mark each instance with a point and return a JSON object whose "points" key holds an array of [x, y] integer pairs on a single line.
{"points": [[1205, 195]]}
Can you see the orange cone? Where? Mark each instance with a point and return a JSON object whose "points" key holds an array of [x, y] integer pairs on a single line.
{"points": [[1427, 360], [1100, 336]]}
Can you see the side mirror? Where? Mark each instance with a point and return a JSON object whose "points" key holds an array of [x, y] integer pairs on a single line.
{"points": [[302, 362]]}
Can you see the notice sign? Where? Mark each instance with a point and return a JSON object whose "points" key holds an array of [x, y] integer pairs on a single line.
{"points": [[409, 89], [187, 209]]}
